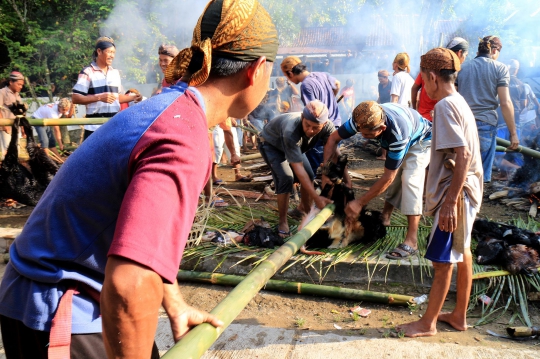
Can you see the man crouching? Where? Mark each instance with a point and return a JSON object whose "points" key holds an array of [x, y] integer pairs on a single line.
{"points": [[283, 144], [454, 192]]}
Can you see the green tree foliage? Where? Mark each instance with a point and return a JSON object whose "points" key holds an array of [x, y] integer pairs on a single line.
{"points": [[50, 40]]}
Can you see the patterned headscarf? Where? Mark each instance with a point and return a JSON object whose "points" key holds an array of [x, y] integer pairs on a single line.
{"points": [[15, 76], [440, 59], [168, 50], [235, 29], [316, 111], [368, 115], [402, 60]]}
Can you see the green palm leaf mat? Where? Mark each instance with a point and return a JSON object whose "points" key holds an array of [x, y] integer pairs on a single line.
{"points": [[508, 292]]}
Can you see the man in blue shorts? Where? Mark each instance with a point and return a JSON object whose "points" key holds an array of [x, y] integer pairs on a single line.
{"points": [[406, 136], [454, 187]]}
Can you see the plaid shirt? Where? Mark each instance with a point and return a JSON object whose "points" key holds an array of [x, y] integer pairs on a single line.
{"points": [[93, 81]]}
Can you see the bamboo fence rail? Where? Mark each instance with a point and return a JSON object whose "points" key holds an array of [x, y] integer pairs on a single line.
{"points": [[58, 121]]}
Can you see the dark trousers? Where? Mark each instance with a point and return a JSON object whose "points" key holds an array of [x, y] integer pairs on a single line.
{"points": [[87, 134], [315, 156], [21, 342]]}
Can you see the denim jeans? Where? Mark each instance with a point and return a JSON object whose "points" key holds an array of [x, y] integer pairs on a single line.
{"points": [[46, 136], [487, 136]]}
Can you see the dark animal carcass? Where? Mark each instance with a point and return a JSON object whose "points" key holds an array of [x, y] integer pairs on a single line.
{"points": [[16, 181], [513, 248], [334, 233], [258, 233]]}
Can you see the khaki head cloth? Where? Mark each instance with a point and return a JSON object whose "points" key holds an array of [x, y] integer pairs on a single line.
{"points": [[235, 29], [440, 59], [368, 115], [289, 63], [402, 60]]}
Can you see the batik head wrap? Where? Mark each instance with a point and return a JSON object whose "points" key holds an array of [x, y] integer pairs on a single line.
{"points": [[316, 111], [15, 76], [440, 59], [235, 29], [458, 43], [488, 43], [368, 115], [402, 60], [102, 43], [168, 50]]}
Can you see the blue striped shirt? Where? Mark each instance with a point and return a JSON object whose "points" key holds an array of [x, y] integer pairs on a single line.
{"points": [[405, 127]]}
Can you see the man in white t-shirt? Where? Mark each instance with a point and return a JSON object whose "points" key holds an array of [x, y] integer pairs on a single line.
{"points": [[49, 136], [402, 82], [454, 193]]}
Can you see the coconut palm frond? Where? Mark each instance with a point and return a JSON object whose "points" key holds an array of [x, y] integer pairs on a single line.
{"points": [[508, 293]]}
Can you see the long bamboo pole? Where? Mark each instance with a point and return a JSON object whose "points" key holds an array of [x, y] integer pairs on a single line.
{"points": [[299, 288], [195, 343], [59, 121], [250, 157], [525, 150]]}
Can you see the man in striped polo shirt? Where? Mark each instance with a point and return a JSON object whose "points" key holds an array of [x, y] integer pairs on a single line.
{"points": [[99, 85], [406, 136]]}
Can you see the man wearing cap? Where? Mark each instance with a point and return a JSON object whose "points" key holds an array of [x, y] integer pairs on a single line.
{"points": [[315, 86], [384, 86], [50, 135], [101, 250], [455, 193], [407, 137], [283, 144], [8, 96], [483, 82], [99, 86]]}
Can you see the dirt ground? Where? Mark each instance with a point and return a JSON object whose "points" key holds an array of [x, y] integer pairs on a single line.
{"points": [[323, 314]]}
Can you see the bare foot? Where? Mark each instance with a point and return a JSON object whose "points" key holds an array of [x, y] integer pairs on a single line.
{"points": [[450, 319], [417, 329], [382, 158], [385, 220]]}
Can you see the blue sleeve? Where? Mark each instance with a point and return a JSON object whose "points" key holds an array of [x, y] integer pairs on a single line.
{"points": [[347, 129], [332, 80], [306, 93]]}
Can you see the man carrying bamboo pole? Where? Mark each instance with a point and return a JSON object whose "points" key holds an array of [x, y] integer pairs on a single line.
{"points": [[102, 248], [454, 192]]}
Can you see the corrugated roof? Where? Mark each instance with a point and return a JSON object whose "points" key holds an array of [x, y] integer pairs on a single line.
{"points": [[380, 32]]}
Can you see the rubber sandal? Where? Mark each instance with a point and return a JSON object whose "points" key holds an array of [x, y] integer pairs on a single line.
{"points": [[217, 182], [404, 251], [284, 234], [219, 204]]}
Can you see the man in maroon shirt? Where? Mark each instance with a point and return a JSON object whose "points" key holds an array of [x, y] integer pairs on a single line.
{"points": [[100, 253]]}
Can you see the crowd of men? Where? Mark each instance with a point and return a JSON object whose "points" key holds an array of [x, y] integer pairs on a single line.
{"points": [[100, 252]]}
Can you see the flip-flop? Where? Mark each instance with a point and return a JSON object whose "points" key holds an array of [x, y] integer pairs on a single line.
{"points": [[284, 234], [217, 182], [404, 251], [219, 203]]}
